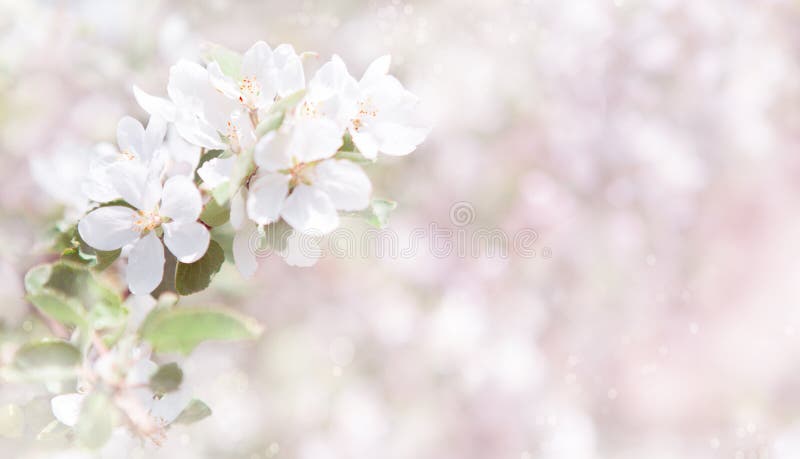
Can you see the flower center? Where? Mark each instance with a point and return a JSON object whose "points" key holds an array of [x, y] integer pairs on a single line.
{"points": [[366, 109], [300, 173], [309, 109], [147, 221], [126, 155], [250, 89]]}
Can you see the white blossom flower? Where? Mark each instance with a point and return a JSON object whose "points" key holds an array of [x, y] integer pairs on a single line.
{"points": [[377, 111], [173, 208], [265, 75], [202, 115], [299, 181], [137, 145]]}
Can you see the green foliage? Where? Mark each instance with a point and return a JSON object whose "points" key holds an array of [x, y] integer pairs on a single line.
{"points": [[271, 122], [230, 62], [195, 277], [167, 378], [378, 213], [195, 411], [65, 290], [47, 361], [215, 214], [59, 307], [95, 422], [68, 242], [181, 330], [353, 156]]}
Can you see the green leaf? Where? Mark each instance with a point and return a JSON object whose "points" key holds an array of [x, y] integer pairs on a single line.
{"points": [[378, 213], [276, 235], [167, 378], [181, 330], [95, 422], [353, 156], [47, 360], [230, 62], [195, 277], [347, 143], [215, 214], [270, 122], [67, 311], [195, 411], [37, 277]]}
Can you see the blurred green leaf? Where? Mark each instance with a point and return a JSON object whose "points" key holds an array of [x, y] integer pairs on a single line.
{"points": [[47, 360], [195, 411], [230, 62], [167, 378], [37, 277], [57, 306], [347, 144], [270, 122], [181, 330], [215, 214], [95, 422], [195, 277], [378, 213]]}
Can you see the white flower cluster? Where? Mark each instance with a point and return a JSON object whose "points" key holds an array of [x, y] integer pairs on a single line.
{"points": [[281, 140]]}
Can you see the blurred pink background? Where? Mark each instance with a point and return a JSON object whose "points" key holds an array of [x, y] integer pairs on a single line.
{"points": [[651, 144]]}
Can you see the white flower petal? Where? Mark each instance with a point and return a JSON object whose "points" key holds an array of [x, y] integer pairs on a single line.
{"points": [[188, 241], [153, 105], [216, 171], [188, 85], [130, 134], [290, 76], [222, 82], [257, 59], [345, 183], [302, 250], [138, 185], [310, 211], [153, 137], [108, 228], [197, 131], [67, 408], [272, 152], [366, 143], [266, 197], [243, 250], [145, 265], [314, 139], [331, 79], [181, 199], [378, 68], [238, 208]]}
